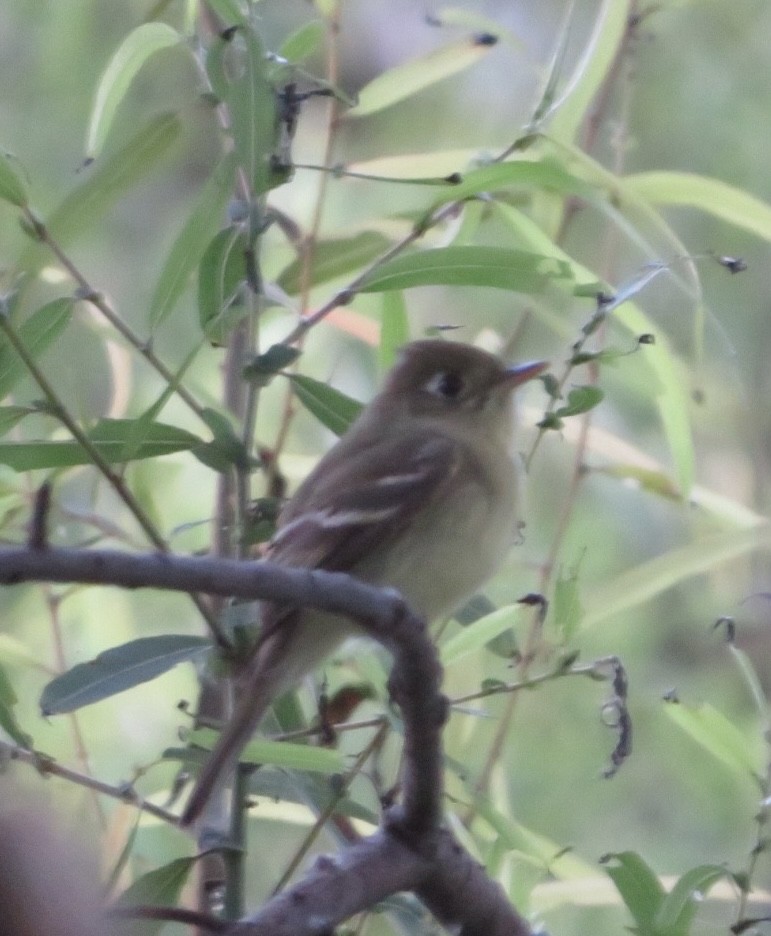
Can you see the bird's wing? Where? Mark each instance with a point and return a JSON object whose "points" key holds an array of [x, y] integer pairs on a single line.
{"points": [[366, 501]]}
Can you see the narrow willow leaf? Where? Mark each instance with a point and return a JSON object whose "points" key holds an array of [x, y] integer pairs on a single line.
{"points": [[540, 174], [116, 173], [644, 582], [159, 888], [496, 267], [221, 275], [547, 101], [226, 449], [118, 669], [264, 367], [517, 837], [717, 198], [112, 438], [712, 731], [413, 76], [474, 637], [394, 328], [252, 105], [8, 721], [334, 258], [13, 651], [679, 906], [121, 70], [202, 224], [36, 334], [639, 887], [303, 42], [229, 12], [333, 409], [281, 754], [647, 479], [581, 400], [672, 398], [599, 53], [12, 187], [309, 790]]}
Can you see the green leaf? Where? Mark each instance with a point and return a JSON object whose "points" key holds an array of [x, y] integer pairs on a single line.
{"points": [[332, 408], [221, 275], [648, 479], [541, 174], [188, 249], [679, 906], [302, 42], [580, 400], [12, 187], [394, 328], [36, 333], [226, 450], [334, 258], [308, 790], [641, 583], [477, 635], [121, 70], [118, 669], [159, 888], [712, 731], [413, 76], [672, 398], [639, 887], [115, 174], [518, 838], [689, 190], [265, 366], [599, 53], [497, 267], [251, 101], [8, 720], [280, 753], [228, 11], [113, 438]]}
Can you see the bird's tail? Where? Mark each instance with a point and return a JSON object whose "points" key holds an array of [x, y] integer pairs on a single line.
{"points": [[255, 697]]}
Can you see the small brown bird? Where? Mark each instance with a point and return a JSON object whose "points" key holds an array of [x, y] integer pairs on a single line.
{"points": [[421, 494]]}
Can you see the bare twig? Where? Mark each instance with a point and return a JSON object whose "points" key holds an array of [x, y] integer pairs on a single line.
{"points": [[46, 765], [88, 293]]}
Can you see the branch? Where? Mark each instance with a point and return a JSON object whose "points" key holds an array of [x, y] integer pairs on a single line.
{"points": [[410, 851], [46, 766]]}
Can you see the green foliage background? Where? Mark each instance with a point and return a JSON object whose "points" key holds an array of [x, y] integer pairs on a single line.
{"points": [[655, 564]]}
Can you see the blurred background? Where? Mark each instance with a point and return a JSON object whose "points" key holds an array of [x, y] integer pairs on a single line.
{"points": [[693, 95]]}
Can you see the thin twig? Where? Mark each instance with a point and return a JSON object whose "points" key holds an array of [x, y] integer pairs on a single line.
{"points": [[340, 790], [89, 294], [46, 765], [100, 462]]}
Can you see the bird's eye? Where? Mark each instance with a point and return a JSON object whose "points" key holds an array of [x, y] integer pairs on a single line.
{"points": [[447, 384]]}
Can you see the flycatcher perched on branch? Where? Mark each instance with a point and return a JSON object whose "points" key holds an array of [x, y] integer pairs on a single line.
{"points": [[421, 494]]}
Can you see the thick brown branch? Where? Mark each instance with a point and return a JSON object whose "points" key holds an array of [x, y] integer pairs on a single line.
{"points": [[410, 852]]}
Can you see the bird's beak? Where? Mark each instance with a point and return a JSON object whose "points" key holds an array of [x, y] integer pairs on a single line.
{"points": [[519, 373]]}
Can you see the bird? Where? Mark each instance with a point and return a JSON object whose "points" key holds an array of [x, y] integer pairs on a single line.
{"points": [[421, 494]]}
